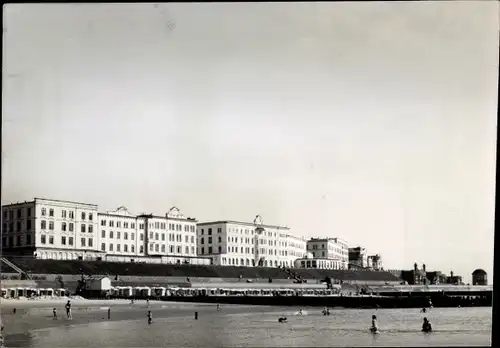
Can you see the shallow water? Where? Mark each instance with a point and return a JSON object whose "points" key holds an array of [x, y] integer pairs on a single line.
{"points": [[345, 327]]}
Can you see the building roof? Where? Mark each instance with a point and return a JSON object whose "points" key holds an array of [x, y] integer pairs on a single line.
{"points": [[479, 271], [250, 224]]}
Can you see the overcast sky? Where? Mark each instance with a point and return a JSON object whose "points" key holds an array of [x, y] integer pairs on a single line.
{"points": [[372, 122]]}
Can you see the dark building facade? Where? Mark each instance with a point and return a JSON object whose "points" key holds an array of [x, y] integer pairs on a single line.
{"points": [[479, 277]]}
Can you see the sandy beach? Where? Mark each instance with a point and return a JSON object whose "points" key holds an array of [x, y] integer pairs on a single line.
{"points": [[37, 314]]}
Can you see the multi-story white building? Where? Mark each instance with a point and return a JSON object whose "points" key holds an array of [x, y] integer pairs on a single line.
{"points": [[146, 237], [51, 229], [331, 249], [248, 244], [63, 230]]}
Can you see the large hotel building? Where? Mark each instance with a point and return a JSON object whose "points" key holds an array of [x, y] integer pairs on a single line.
{"points": [[63, 230]]}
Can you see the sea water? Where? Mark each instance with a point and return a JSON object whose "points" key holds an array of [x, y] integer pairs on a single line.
{"points": [[344, 327]]}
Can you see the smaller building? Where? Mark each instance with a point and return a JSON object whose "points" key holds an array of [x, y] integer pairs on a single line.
{"points": [[358, 257], [375, 262], [318, 263], [479, 277]]}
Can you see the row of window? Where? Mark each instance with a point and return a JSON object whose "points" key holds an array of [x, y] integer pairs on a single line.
{"points": [[66, 227], [68, 214], [152, 236], [157, 225], [249, 262], [9, 214], [84, 242], [17, 227], [152, 248], [8, 242]]}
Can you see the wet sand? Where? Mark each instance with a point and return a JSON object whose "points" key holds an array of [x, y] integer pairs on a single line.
{"points": [[36, 315]]}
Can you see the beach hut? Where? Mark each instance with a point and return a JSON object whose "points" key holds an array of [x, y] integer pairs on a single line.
{"points": [[12, 292], [61, 292], [99, 287], [126, 291], [21, 292], [159, 291]]}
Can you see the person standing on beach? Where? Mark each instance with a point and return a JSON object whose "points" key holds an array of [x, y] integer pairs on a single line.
{"points": [[54, 314], [150, 317], [68, 310]]}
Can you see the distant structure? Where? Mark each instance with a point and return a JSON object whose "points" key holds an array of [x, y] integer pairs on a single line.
{"points": [[418, 276], [358, 256], [325, 250], [249, 244], [479, 277], [375, 262]]}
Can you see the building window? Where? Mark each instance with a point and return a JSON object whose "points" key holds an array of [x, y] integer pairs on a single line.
{"points": [[118, 247], [63, 240], [162, 237], [132, 225], [82, 241], [91, 229], [43, 239], [192, 239], [83, 228], [43, 224], [125, 225], [29, 212], [141, 249], [125, 248], [220, 249], [111, 247], [63, 214], [71, 214], [141, 237], [209, 240], [171, 249], [44, 211], [179, 250], [91, 243], [63, 226], [157, 248], [83, 215], [103, 222], [103, 246], [28, 239], [220, 239], [103, 234], [163, 248], [192, 250], [18, 226], [219, 230], [187, 250], [209, 249], [132, 248], [125, 235], [70, 240], [118, 224], [209, 231], [51, 239], [19, 241], [202, 250], [118, 235], [51, 225], [132, 236], [202, 241], [51, 212], [71, 227], [91, 216]]}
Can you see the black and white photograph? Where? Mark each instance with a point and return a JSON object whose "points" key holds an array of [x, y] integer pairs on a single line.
{"points": [[248, 174]]}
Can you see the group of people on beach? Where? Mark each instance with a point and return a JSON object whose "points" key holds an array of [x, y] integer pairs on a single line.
{"points": [[67, 307]]}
